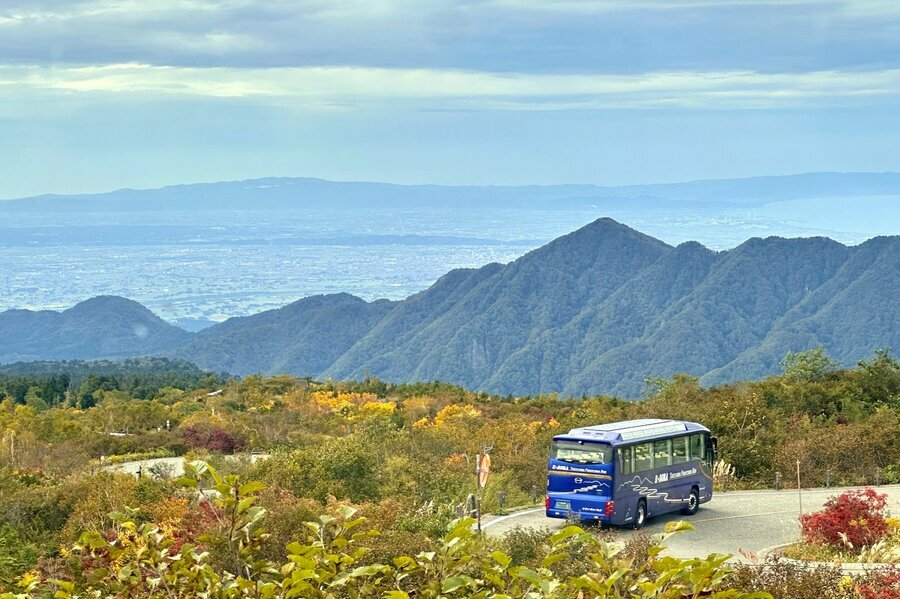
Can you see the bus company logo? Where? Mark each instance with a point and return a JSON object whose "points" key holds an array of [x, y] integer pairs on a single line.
{"points": [[578, 480], [661, 478], [683, 473]]}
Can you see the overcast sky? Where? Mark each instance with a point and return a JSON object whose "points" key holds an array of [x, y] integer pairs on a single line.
{"points": [[101, 94]]}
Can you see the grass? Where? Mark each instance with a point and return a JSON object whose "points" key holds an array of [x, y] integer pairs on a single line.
{"points": [[886, 551]]}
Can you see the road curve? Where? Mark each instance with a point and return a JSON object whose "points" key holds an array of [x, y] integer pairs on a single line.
{"points": [[171, 467], [732, 522]]}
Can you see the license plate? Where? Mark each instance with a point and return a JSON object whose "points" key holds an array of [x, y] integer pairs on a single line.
{"points": [[563, 505]]}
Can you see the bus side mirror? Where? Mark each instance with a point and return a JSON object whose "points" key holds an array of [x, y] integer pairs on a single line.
{"points": [[714, 448]]}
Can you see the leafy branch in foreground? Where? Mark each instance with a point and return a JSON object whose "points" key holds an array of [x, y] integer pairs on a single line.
{"points": [[144, 560]]}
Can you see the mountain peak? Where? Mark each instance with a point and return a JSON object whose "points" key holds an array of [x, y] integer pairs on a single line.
{"points": [[603, 231], [108, 302], [610, 227], [102, 327], [688, 248], [607, 225], [341, 297]]}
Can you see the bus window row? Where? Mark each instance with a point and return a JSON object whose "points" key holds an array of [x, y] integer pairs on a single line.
{"points": [[658, 454]]}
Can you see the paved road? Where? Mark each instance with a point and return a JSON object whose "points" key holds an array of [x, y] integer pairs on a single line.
{"points": [[731, 522], [739, 520], [173, 467]]}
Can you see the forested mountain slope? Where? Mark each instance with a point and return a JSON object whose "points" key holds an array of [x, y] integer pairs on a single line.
{"points": [[856, 307], [507, 311], [595, 311], [600, 309], [304, 337], [101, 327]]}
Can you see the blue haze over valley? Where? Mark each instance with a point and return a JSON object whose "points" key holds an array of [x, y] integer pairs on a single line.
{"points": [[444, 136], [200, 254]]}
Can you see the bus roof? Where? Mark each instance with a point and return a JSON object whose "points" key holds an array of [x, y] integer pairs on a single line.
{"points": [[632, 430]]}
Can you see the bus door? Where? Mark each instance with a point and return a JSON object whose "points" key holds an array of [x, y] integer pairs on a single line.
{"points": [[627, 484], [683, 474], [702, 449]]}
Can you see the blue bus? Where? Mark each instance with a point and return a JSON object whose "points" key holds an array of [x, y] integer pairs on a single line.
{"points": [[624, 472]]}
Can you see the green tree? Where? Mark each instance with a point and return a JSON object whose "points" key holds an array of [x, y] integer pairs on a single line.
{"points": [[809, 365], [91, 390], [877, 381]]}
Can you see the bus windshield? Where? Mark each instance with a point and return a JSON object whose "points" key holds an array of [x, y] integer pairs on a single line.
{"points": [[581, 453]]}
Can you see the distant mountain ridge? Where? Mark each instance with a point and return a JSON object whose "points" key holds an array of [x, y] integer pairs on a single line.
{"points": [[278, 193], [594, 311], [103, 327], [304, 337]]}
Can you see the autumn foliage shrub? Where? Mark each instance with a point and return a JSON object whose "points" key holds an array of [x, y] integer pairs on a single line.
{"points": [[855, 517], [787, 579], [884, 584], [327, 559], [211, 438]]}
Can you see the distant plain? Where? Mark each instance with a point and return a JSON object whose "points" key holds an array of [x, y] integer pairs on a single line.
{"points": [[195, 267]]}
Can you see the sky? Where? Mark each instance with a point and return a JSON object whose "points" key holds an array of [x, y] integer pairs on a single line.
{"points": [[102, 94]]}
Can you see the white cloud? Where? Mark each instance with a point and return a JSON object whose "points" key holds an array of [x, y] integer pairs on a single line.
{"points": [[541, 36], [367, 8], [318, 87], [131, 8], [599, 6]]}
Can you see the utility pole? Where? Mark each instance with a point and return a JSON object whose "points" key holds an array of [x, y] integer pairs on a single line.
{"points": [[799, 493]]}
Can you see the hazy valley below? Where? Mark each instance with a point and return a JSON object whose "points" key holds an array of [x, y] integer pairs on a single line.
{"points": [[201, 254]]}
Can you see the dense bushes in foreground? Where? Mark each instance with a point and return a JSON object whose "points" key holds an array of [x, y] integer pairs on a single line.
{"points": [[403, 455], [331, 557], [133, 559]]}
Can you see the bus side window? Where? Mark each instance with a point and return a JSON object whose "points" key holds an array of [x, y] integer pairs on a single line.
{"points": [[662, 453], [680, 450], [643, 457], [626, 465], [698, 447]]}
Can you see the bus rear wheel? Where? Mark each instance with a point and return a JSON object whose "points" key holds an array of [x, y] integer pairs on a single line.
{"points": [[693, 503], [640, 515]]}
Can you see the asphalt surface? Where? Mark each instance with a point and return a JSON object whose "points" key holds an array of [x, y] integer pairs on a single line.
{"points": [[170, 467], [735, 522], [732, 522]]}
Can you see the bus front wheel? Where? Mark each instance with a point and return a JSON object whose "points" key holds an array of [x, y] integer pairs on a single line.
{"points": [[640, 515], [693, 503]]}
